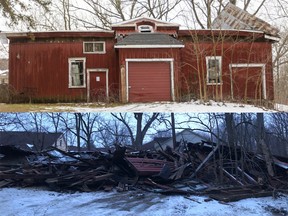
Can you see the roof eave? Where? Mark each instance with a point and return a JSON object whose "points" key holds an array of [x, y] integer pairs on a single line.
{"points": [[273, 38]]}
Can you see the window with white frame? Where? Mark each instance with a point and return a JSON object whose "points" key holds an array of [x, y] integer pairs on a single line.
{"points": [[77, 72], [214, 69], [145, 28], [94, 47]]}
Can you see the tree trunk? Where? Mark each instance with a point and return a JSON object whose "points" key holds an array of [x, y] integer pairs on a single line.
{"points": [[173, 130], [138, 140], [263, 145], [77, 128]]}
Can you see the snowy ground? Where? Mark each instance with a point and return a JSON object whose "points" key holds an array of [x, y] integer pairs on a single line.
{"points": [[27, 202], [193, 106]]}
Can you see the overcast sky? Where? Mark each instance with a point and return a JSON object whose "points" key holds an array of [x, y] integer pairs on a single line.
{"points": [[269, 13]]}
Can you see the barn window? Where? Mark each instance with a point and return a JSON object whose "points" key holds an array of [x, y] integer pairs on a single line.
{"points": [[77, 72], [145, 28], [94, 47], [214, 67]]}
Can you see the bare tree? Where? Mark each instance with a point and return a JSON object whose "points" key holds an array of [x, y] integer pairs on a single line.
{"points": [[205, 11], [278, 126], [143, 123], [70, 14], [112, 131], [263, 145], [83, 127], [20, 10]]}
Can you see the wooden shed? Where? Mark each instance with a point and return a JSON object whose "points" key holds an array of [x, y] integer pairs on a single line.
{"points": [[144, 60]]}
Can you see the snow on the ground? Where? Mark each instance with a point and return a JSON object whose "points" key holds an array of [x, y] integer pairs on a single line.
{"points": [[26, 202], [281, 107], [193, 106]]}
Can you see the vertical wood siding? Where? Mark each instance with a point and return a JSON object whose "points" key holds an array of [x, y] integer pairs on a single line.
{"points": [[41, 69], [193, 61]]}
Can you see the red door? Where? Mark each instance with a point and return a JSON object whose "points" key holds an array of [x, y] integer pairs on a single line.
{"points": [[149, 81], [98, 91], [247, 83]]}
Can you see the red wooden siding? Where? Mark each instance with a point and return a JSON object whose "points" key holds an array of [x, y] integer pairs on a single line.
{"points": [[149, 81], [41, 69], [194, 61], [247, 83], [38, 66], [147, 166]]}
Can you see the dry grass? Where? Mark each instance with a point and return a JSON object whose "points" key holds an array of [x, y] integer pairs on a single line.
{"points": [[67, 107]]}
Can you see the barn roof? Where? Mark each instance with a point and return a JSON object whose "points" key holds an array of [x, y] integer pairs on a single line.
{"points": [[28, 141], [232, 17], [148, 40], [60, 34]]}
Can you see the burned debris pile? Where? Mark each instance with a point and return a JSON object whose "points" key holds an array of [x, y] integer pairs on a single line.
{"points": [[223, 173]]}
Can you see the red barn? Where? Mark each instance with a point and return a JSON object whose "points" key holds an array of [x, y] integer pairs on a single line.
{"points": [[144, 60]]}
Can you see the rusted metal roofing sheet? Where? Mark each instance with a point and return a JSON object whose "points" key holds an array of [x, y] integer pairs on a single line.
{"points": [[233, 17]]}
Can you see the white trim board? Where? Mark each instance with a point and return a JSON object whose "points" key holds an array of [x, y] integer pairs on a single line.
{"points": [[92, 70], [171, 60], [148, 46], [263, 75]]}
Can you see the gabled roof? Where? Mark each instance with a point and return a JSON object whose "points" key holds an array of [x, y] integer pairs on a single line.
{"points": [[132, 22], [232, 17], [148, 40], [151, 144], [29, 141]]}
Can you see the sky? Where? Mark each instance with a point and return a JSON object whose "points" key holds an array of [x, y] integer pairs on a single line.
{"points": [[267, 13]]}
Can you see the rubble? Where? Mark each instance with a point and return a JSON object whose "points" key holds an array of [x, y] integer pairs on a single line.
{"points": [[195, 168]]}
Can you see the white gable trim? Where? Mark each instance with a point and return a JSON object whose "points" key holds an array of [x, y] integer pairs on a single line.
{"points": [[132, 22]]}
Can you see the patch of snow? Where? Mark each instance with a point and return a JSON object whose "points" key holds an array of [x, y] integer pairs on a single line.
{"points": [[30, 145], [26, 202], [192, 106], [281, 107]]}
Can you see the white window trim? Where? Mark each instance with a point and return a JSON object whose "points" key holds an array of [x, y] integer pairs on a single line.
{"points": [[103, 70], [96, 52], [170, 60], [220, 69], [70, 60]]}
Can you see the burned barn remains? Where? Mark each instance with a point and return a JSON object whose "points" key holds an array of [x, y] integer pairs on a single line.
{"points": [[220, 172]]}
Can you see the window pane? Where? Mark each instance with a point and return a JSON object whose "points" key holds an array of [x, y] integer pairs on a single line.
{"points": [[214, 72], [88, 47], [98, 47], [77, 73], [93, 47]]}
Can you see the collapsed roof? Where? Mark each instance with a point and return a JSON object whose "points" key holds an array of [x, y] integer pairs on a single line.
{"points": [[232, 17]]}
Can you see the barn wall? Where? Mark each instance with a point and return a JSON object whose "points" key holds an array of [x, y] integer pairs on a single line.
{"points": [[40, 69], [193, 58]]}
